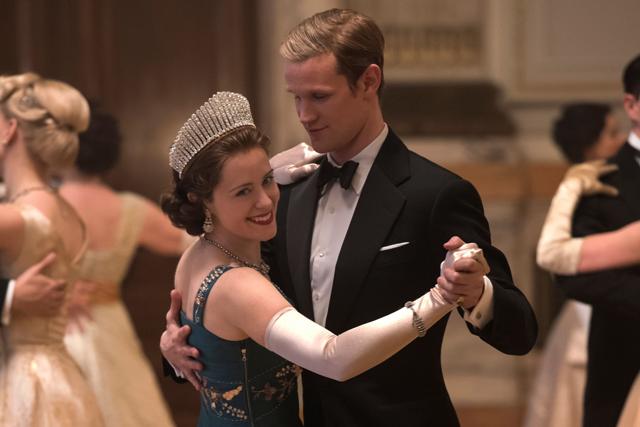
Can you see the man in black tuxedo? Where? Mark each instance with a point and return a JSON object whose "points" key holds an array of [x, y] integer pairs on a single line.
{"points": [[614, 341], [365, 233], [31, 293]]}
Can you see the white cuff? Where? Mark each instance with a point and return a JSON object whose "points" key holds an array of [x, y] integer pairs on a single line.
{"points": [[482, 313], [176, 371], [8, 299]]}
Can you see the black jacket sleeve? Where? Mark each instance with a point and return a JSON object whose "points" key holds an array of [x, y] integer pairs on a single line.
{"points": [[459, 211], [615, 290]]}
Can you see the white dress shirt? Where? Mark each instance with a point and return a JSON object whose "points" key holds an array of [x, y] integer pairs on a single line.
{"points": [[335, 210], [634, 141]]}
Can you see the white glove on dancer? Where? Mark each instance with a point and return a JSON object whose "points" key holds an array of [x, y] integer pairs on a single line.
{"points": [[557, 251], [293, 164], [468, 250], [309, 345]]}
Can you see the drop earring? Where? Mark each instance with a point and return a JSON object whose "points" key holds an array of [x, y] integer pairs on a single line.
{"points": [[207, 225]]}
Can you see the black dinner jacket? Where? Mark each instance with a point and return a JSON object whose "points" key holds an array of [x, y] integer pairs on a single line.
{"points": [[406, 198], [614, 339]]}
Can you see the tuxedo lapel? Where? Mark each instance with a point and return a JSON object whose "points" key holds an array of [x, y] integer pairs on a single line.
{"points": [[629, 178], [301, 214], [378, 207]]}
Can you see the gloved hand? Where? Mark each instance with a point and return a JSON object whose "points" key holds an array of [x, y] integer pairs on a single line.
{"points": [[294, 164], [467, 250], [584, 176], [557, 251], [462, 283]]}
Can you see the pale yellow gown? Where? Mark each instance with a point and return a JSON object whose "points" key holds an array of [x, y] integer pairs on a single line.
{"points": [[40, 384], [108, 350], [558, 390]]}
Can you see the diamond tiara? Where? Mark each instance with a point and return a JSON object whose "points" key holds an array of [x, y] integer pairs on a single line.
{"points": [[220, 114]]}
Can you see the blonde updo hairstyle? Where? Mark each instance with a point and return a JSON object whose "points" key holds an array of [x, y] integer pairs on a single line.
{"points": [[49, 113]]}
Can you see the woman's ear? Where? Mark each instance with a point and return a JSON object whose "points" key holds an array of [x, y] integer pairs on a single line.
{"points": [[10, 132]]}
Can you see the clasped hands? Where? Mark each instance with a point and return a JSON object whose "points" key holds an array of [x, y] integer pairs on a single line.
{"points": [[461, 279]]}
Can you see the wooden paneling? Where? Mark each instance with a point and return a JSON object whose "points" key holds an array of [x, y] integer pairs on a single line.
{"points": [[496, 181]]}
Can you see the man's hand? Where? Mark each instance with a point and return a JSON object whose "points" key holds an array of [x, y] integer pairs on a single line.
{"points": [[462, 281], [36, 294], [173, 344]]}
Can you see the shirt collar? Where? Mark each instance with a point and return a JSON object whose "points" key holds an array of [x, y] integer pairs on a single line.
{"points": [[634, 140], [365, 160]]}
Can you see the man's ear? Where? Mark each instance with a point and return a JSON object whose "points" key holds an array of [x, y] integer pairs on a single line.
{"points": [[371, 79], [632, 107]]}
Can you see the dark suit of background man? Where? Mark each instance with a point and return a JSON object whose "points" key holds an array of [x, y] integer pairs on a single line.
{"points": [[614, 337], [348, 252]]}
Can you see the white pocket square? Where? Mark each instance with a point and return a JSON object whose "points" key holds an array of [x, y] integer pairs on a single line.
{"points": [[394, 246]]}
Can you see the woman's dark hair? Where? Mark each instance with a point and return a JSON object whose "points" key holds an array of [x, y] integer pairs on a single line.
{"points": [[578, 128], [99, 144], [202, 175]]}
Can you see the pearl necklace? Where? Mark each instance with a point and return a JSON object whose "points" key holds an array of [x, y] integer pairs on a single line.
{"points": [[262, 268], [29, 190]]}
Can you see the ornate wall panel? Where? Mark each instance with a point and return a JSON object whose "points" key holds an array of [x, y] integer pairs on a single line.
{"points": [[430, 39], [573, 48]]}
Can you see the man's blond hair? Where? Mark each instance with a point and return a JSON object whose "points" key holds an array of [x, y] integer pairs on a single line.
{"points": [[354, 39]]}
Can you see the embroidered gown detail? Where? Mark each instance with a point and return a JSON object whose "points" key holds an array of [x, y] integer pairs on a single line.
{"points": [[244, 384]]}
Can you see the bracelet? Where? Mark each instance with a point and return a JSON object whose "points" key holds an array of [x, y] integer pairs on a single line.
{"points": [[417, 320]]}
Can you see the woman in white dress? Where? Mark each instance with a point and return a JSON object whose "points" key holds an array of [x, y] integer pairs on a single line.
{"points": [[106, 346], [40, 384]]}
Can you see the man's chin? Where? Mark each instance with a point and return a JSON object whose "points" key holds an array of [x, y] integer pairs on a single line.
{"points": [[319, 146]]}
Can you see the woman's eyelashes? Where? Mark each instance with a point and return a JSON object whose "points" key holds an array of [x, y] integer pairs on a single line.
{"points": [[267, 180]]}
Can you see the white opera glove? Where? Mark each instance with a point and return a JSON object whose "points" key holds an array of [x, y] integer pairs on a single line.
{"points": [[294, 164], [341, 357], [557, 251]]}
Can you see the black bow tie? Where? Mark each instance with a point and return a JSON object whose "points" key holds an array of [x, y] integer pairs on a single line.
{"points": [[344, 174]]}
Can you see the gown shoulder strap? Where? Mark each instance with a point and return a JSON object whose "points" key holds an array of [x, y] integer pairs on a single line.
{"points": [[205, 289]]}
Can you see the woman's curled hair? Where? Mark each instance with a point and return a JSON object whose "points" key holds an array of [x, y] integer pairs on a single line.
{"points": [[201, 176]]}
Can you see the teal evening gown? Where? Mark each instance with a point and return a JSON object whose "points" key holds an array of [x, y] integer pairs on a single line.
{"points": [[244, 384]]}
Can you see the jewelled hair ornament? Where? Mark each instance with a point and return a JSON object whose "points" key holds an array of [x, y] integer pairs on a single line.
{"points": [[222, 113]]}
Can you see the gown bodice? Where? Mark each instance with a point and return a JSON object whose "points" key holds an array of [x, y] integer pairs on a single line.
{"points": [[244, 384], [40, 384], [40, 238]]}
